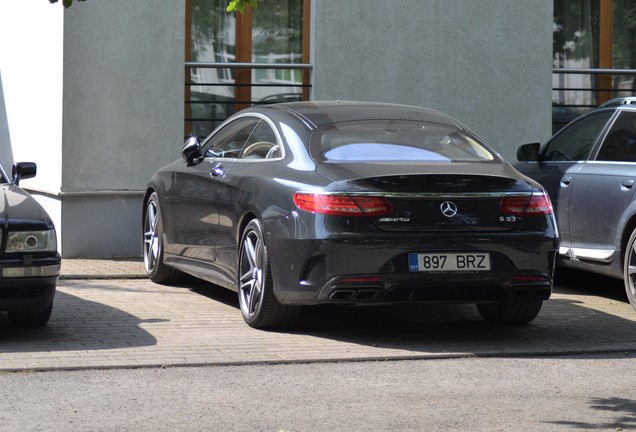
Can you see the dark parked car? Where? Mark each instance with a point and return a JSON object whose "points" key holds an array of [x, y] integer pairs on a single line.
{"points": [[351, 203], [29, 260], [589, 170]]}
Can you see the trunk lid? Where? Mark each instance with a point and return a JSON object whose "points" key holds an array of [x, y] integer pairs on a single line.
{"points": [[435, 197]]}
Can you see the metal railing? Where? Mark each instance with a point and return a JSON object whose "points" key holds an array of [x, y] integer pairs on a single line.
{"points": [[576, 91], [216, 90]]}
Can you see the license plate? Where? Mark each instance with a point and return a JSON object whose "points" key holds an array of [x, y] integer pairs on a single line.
{"points": [[449, 262]]}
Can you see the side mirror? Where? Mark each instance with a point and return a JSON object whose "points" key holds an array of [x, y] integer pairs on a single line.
{"points": [[23, 170], [191, 150], [528, 152]]}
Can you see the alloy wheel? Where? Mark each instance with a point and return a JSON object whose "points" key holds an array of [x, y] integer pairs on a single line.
{"points": [[629, 270], [151, 240], [251, 274]]}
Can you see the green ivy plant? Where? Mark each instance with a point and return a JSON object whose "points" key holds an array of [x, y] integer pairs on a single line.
{"points": [[239, 5]]}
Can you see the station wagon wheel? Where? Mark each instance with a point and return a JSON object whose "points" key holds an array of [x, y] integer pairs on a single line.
{"points": [[629, 270], [153, 245], [510, 311], [259, 306]]}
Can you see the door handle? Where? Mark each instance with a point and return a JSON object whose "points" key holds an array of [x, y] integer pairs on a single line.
{"points": [[627, 184], [565, 181], [217, 171]]}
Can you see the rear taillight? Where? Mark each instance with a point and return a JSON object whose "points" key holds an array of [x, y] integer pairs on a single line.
{"points": [[532, 205], [340, 204]]}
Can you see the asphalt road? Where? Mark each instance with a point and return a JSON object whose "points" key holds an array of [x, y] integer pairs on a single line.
{"points": [[475, 394]]}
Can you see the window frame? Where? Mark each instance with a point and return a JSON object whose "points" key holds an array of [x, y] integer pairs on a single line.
{"points": [[243, 76]]}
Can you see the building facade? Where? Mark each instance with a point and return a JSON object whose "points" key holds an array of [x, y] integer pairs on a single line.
{"points": [[95, 94]]}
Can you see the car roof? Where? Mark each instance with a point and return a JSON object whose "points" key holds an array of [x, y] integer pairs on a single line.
{"points": [[316, 114], [619, 101]]}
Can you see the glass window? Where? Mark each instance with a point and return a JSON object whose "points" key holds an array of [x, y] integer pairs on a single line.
{"points": [[575, 45], [624, 46], [277, 37], [591, 34], [406, 141], [620, 143], [575, 142], [271, 33], [228, 142], [262, 144], [210, 92]]}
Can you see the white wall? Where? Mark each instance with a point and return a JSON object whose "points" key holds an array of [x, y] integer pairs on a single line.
{"points": [[487, 62], [31, 82], [31, 85]]}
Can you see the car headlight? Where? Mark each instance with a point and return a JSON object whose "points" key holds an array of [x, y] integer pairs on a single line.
{"points": [[31, 241]]}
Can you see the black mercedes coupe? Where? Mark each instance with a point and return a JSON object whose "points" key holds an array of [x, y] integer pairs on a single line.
{"points": [[29, 261], [351, 203]]}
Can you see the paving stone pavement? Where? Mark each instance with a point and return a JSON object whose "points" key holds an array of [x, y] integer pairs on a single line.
{"points": [[108, 315], [125, 268]]}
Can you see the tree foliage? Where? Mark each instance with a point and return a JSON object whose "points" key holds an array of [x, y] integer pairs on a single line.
{"points": [[66, 3]]}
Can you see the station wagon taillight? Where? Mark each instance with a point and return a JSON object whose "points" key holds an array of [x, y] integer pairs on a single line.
{"points": [[340, 204], [532, 205]]}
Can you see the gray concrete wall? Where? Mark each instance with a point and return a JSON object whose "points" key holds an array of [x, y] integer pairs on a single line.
{"points": [[487, 62], [123, 92], [101, 226], [123, 116]]}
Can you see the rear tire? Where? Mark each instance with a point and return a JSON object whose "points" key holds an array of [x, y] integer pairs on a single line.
{"points": [[629, 270], [259, 306], [510, 311], [31, 318], [156, 270]]}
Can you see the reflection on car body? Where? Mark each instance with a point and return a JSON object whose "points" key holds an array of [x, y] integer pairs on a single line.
{"points": [[349, 203]]}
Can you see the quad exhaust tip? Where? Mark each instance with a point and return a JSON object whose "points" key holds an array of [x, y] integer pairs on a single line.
{"points": [[354, 294]]}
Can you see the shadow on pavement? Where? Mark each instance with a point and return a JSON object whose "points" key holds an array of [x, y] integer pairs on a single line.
{"points": [[563, 326], [587, 314], [623, 413], [77, 324], [200, 322], [586, 283]]}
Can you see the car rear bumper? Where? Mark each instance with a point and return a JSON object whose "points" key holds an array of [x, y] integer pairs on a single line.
{"points": [[364, 270]]}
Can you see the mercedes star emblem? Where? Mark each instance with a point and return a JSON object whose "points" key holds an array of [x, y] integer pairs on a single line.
{"points": [[448, 208]]}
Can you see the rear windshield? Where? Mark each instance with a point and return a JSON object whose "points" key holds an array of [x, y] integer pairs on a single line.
{"points": [[390, 140]]}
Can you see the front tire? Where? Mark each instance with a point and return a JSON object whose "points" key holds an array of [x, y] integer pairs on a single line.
{"points": [[629, 270], [510, 311], [259, 306], [156, 270]]}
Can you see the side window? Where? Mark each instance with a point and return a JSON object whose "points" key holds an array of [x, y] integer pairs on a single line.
{"points": [[620, 143], [228, 142], [262, 144], [576, 141]]}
